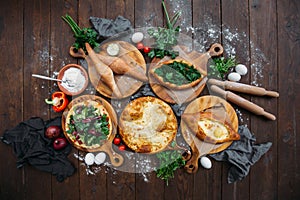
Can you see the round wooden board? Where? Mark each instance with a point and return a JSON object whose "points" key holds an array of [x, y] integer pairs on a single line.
{"points": [[126, 84], [106, 146], [171, 118], [199, 147]]}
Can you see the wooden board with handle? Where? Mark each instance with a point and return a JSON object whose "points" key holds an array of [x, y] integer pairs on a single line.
{"points": [[125, 83], [115, 158], [199, 147], [199, 60]]}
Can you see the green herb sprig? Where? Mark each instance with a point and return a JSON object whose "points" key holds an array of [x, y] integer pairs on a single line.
{"points": [[82, 36], [169, 161], [221, 66], [165, 38]]}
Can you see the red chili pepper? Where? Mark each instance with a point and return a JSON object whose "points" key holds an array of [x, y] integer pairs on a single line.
{"points": [[59, 101]]}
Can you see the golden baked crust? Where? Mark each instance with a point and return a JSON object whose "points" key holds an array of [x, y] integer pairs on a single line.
{"points": [[211, 127], [172, 85], [78, 139], [147, 125]]}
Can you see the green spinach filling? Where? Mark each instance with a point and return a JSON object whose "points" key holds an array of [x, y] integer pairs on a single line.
{"points": [[178, 73], [88, 126]]}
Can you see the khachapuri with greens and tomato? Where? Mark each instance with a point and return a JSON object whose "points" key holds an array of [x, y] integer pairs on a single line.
{"points": [[88, 124]]}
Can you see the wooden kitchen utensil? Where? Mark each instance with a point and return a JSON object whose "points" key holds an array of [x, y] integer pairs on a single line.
{"points": [[242, 102], [126, 84], [199, 60], [244, 88], [199, 147], [115, 158]]}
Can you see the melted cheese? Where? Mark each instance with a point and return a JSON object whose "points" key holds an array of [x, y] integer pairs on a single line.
{"points": [[146, 127], [149, 129], [213, 129]]}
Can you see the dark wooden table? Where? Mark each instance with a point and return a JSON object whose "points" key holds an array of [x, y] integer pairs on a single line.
{"points": [[264, 35]]}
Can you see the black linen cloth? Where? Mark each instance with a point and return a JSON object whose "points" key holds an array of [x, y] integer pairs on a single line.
{"points": [[242, 154], [31, 146], [107, 27]]}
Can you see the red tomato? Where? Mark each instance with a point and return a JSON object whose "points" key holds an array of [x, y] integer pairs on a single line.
{"points": [[146, 49], [117, 141], [140, 46], [122, 147]]}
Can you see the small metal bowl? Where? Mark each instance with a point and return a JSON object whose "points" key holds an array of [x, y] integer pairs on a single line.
{"points": [[69, 87]]}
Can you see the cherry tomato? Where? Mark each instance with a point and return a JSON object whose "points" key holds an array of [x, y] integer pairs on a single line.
{"points": [[146, 49], [117, 141], [122, 147], [140, 46]]}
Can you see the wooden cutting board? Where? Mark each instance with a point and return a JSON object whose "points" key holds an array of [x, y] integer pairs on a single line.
{"points": [[115, 158], [199, 60], [199, 147], [127, 85]]}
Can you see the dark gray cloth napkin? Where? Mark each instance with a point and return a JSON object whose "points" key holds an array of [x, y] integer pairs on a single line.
{"points": [[31, 146], [107, 27], [242, 154]]}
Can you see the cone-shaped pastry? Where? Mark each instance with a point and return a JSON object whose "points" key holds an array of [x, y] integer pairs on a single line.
{"points": [[119, 66], [213, 127], [106, 74]]}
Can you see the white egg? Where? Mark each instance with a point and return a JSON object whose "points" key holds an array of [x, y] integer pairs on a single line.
{"points": [[233, 76], [205, 162], [241, 69], [89, 159], [137, 37], [100, 158]]}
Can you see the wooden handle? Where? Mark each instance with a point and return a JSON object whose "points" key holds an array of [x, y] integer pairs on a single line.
{"points": [[215, 50], [115, 158], [244, 88], [191, 165], [244, 103], [79, 54]]}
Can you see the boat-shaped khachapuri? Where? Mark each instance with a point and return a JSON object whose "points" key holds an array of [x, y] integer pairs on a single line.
{"points": [[176, 74]]}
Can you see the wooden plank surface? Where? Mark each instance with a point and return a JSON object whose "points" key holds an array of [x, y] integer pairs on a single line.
{"points": [[11, 107], [263, 35], [207, 23], [236, 41], [288, 107]]}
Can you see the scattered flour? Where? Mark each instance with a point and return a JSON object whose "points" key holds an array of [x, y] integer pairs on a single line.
{"points": [[203, 36]]}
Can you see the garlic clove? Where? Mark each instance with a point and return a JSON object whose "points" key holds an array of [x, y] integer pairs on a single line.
{"points": [[89, 159], [100, 158], [241, 69], [233, 76], [205, 162], [137, 37]]}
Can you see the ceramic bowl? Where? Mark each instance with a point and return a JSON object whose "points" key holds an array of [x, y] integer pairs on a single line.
{"points": [[74, 85]]}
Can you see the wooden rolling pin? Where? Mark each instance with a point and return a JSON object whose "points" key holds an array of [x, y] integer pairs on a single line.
{"points": [[244, 88], [240, 101]]}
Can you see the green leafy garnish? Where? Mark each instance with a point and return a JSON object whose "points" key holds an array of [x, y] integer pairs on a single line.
{"points": [[178, 73], [88, 126], [82, 36], [220, 67], [169, 161], [165, 38]]}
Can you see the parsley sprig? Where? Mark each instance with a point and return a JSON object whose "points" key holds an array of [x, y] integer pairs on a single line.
{"points": [[169, 161], [165, 38], [82, 36], [220, 66]]}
